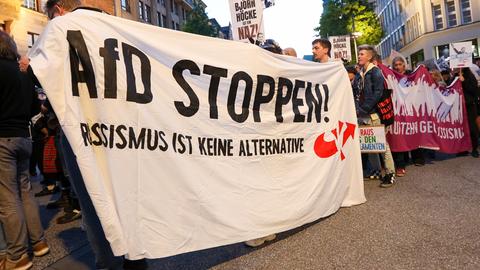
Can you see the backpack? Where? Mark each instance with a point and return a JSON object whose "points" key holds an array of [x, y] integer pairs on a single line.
{"points": [[385, 107]]}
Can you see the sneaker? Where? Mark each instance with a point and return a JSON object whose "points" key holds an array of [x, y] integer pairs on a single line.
{"points": [[69, 216], [475, 153], [375, 175], [135, 264], [41, 248], [388, 180], [400, 172], [260, 241], [47, 191], [23, 263], [61, 202]]}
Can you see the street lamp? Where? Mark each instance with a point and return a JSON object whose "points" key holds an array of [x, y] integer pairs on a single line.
{"points": [[355, 35]]}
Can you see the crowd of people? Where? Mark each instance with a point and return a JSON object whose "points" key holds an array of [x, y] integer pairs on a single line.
{"points": [[32, 142]]}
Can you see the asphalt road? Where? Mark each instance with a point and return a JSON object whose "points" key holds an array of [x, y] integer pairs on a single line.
{"points": [[429, 220]]}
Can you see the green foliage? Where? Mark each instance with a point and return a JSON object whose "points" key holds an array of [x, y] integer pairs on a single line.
{"points": [[341, 17], [197, 22]]}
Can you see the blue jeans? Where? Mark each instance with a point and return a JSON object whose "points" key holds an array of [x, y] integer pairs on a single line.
{"points": [[19, 213], [104, 257], [3, 244]]}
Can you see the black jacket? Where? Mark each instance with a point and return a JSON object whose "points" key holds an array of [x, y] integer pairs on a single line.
{"points": [[368, 91], [470, 87], [18, 100]]}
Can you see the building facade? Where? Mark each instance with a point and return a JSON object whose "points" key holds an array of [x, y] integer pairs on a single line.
{"points": [[423, 29], [164, 13], [24, 20]]}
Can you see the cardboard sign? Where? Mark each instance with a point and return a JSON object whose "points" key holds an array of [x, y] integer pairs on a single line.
{"points": [[461, 54], [247, 17], [341, 47], [372, 139]]}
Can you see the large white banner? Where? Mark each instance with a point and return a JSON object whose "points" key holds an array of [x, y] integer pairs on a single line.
{"points": [[247, 19], [187, 142]]}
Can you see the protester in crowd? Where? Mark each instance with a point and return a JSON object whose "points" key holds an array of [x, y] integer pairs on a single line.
{"points": [[290, 52], [19, 212], [401, 158], [351, 71], [272, 46], [446, 76], [477, 62], [3, 248], [37, 140], [471, 94], [437, 76], [377, 60], [321, 50], [370, 162], [50, 163], [103, 253], [369, 86]]}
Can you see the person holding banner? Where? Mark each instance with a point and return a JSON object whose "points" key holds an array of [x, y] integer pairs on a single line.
{"points": [[19, 214], [401, 158], [369, 86], [471, 93], [104, 256]]}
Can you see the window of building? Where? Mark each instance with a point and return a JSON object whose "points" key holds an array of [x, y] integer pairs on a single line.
{"points": [[164, 21], [32, 37], [451, 16], [125, 4], [172, 6], [442, 50], [159, 19], [417, 57], [173, 25], [466, 11], [163, 3], [141, 10], [31, 4], [437, 17], [148, 14]]}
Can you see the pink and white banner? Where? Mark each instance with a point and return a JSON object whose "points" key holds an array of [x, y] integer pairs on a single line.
{"points": [[426, 115]]}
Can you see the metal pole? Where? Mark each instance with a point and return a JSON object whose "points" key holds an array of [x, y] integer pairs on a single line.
{"points": [[354, 36], [355, 45]]}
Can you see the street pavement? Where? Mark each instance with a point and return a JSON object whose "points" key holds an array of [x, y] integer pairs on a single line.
{"points": [[429, 220]]}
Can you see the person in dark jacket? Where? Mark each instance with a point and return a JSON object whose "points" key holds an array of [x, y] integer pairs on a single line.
{"points": [[471, 94], [401, 158], [19, 213], [369, 86]]}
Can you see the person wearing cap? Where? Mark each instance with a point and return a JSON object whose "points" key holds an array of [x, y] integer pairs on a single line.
{"points": [[272, 46]]}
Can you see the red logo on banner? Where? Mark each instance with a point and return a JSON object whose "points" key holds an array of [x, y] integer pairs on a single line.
{"points": [[326, 149]]}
